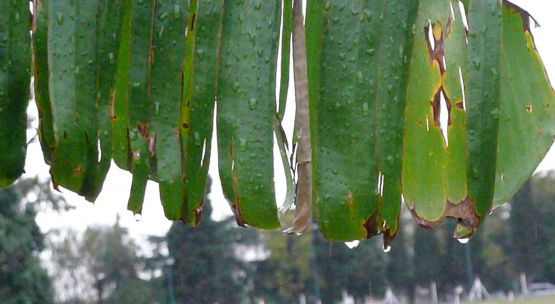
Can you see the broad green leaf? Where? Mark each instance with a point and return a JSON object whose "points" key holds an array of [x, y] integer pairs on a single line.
{"points": [[503, 80], [72, 83], [107, 44], [357, 84], [137, 91], [119, 111], [455, 67], [15, 69], [527, 110], [81, 64], [169, 31], [246, 109], [436, 72], [199, 100], [424, 146], [482, 90]]}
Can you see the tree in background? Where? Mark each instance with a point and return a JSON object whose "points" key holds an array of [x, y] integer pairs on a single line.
{"points": [[544, 199], [209, 263], [426, 252], [22, 278], [400, 269], [456, 261], [526, 232], [533, 229], [219, 262], [497, 271], [359, 271], [286, 273], [103, 266]]}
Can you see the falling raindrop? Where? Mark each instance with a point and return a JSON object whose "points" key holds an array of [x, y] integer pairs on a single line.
{"points": [[137, 217], [352, 244]]}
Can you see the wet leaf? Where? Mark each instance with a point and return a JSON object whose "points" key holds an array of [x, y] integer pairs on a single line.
{"points": [[246, 109], [357, 82], [15, 69], [527, 101], [198, 102], [41, 78], [169, 28], [72, 70]]}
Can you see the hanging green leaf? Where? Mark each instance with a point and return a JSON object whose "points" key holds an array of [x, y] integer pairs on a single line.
{"points": [[424, 145], [81, 64], [527, 110], [357, 82], [72, 83], [15, 66], [246, 109], [403, 101], [166, 84], [107, 44], [482, 94], [119, 108], [137, 92], [41, 78], [198, 103]]}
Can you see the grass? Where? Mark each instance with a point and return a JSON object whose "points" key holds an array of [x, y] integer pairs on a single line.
{"points": [[530, 300]]}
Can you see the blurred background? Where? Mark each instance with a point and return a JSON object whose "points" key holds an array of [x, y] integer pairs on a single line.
{"points": [[512, 258]]}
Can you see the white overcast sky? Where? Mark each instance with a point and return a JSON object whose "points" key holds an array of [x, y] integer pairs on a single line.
{"points": [[113, 199]]}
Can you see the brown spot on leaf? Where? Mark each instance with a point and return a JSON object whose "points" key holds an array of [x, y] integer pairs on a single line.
{"points": [[198, 215], [449, 24], [238, 218], [76, 170], [529, 108], [464, 212], [55, 185], [436, 107], [143, 129], [192, 28], [371, 226], [388, 237], [437, 52]]}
